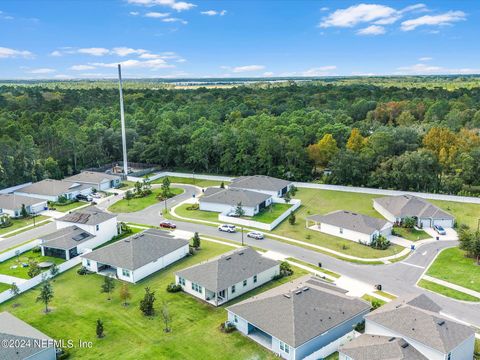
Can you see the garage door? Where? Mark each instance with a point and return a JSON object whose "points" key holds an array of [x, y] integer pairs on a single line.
{"points": [[426, 223], [444, 223]]}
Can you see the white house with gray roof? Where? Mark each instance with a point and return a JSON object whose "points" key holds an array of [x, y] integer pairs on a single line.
{"points": [[418, 322], [397, 208], [262, 183], [29, 342], [228, 276], [11, 204], [351, 226], [137, 256], [226, 200], [299, 318], [52, 190], [68, 242], [97, 180]]}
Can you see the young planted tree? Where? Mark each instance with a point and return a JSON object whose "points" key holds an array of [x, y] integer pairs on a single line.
{"points": [[24, 212], [33, 269], [287, 197], [409, 222], [285, 269], [292, 219], [222, 185], [128, 196], [146, 304], [196, 241], [167, 318], [165, 188], [46, 294], [470, 243], [108, 286], [99, 329], [14, 290], [125, 294], [54, 270], [239, 210]]}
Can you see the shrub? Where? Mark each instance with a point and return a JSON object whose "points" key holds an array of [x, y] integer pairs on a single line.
{"points": [[380, 243], [292, 219], [173, 288], [193, 207], [376, 304], [227, 327], [285, 269], [83, 271], [360, 327]]}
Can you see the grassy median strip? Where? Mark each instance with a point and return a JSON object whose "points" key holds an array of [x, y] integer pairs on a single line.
{"points": [[137, 204], [371, 299], [454, 294], [385, 294]]}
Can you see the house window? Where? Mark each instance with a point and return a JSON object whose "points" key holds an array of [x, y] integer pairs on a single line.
{"points": [[97, 227], [341, 231], [284, 347], [449, 356], [287, 348], [181, 281], [125, 272], [196, 288], [255, 278], [233, 289], [244, 282], [88, 262], [235, 319]]}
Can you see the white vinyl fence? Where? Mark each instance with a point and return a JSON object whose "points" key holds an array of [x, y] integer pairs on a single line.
{"points": [[183, 175], [18, 250], [332, 347]]}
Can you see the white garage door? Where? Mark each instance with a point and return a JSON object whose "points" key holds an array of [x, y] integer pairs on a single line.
{"points": [[444, 223], [426, 223]]}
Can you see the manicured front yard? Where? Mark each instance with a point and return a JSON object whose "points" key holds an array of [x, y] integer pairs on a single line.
{"points": [[464, 213], [453, 266], [454, 294], [21, 272], [195, 334], [137, 204], [371, 299], [190, 181], [271, 213], [410, 233], [4, 287], [19, 223], [182, 210], [69, 207]]}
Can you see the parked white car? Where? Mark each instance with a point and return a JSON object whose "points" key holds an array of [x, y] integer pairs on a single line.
{"points": [[227, 228], [255, 235]]}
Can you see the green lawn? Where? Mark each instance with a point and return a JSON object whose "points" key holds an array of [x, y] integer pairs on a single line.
{"points": [[385, 294], [463, 213], [195, 334], [137, 204], [271, 213], [334, 356], [4, 287], [454, 294], [196, 214], [411, 234], [370, 299], [126, 184], [20, 271], [19, 223], [69, 207], [453, 266], [190, 181]]}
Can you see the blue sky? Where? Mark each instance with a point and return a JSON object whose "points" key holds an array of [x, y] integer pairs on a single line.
{"points": [[173, 38]]}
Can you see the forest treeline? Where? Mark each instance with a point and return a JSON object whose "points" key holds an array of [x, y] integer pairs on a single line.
{"points": [[419, 138]]}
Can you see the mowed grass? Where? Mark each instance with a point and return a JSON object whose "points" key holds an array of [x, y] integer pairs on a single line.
{"points": [[453, 266], [190, 181], [271, 213], [371, 299], [182, 210], [464, 213], [20, 223], [316, 201], [22, 272], [452, 293], [69, 207], [411, 234], [137, 204], [195, 334], [4, 287]]}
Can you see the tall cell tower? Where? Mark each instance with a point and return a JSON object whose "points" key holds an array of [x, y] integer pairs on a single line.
{"points": [[122, 120]]}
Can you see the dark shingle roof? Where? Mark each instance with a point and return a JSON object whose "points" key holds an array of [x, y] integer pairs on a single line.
{"points": [[52, 187], [351, 221], [259, 182], [417, 319], [14, 202], [66, 238], [298, 311], [373, 347], [407, 205], [228, 269], [91, 177], [88, 216], [12, 328], [233, 197], [138, 250]]}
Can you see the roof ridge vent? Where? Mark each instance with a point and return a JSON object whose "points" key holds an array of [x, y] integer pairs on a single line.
{"points": [[405, 345], [392, 339], [228, 258], [441, 322]]}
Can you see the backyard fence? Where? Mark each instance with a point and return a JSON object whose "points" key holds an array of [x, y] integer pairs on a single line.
{"points": [[18, 250], [329, 349]]}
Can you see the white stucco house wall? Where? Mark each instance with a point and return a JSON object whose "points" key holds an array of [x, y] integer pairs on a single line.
{"points": [[351, 226], [266, 184], [11, 204], [138, 256], [52, 190], [228, 276], [97, 180]]}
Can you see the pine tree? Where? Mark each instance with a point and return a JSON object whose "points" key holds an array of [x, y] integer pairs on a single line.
{"points": [[146, 305]]}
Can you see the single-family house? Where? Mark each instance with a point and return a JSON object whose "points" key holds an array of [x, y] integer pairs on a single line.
{"points": [[228, 276], [417, 320], [397, 208], [351, 226], [52, 190], [137, 256], [22, 341], [374, 347], [11, 204], [67, 242], [226, 200], [262, 183], [97, 180], [300, 318], [94, 221]]}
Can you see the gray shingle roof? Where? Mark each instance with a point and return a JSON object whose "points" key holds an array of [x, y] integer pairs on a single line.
{"points": [[351, 221], [90, 215], [259, 182], [91, 177], [137, 250], [12, 328], [52, 187], [407, 205], [14, 202], [228, 269], [233, 197], [414, 319], [66, 238], [373, 347], [298, 311]]}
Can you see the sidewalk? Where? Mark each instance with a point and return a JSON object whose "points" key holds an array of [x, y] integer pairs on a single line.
{"points": [[452, 286]]}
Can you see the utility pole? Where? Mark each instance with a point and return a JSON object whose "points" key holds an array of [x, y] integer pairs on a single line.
{"points": [[122, 120], [242, 235]]}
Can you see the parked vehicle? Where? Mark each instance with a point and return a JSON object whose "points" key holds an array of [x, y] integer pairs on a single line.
{"points": [[168, 225], [255, 235], [439, 229], [232, 214], [84, 197], [227, 228]]}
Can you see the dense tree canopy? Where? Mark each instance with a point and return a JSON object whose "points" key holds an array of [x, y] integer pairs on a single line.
{"points": [[415, 138]]}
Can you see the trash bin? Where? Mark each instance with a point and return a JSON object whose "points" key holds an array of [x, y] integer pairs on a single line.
{"points": [[438, 237], [412, 247], [378, 287], [319, 264]]}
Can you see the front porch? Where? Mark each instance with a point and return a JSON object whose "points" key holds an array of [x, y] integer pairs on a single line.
{"points": [[106, 270], [215, 299]]}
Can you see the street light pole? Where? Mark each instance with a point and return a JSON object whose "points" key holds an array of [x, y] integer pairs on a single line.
{"points": [[242, 235]]}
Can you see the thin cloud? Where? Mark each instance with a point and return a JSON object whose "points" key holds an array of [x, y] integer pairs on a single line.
{"points": [[173, 4], [445, 19], [82, 67], [41, 71], [214, 12], [134, 13], [133, 63], [424, 69], [247, 68], [124, 51], [94, 51], [156, 15], [174, 20], [14, 53], [426, 58], [320, 71], [372, 30]]}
